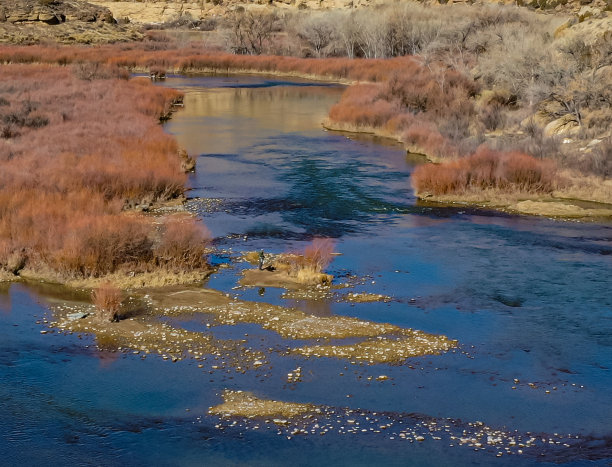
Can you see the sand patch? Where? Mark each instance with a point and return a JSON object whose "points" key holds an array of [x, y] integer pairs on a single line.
{"points": [[558, 209], [290, 323], [264, 278], [366, 298], [383, 349], [146, 335], [246, 404]]}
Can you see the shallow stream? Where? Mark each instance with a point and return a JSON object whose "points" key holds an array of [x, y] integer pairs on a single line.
{"points": [[528, 299]]}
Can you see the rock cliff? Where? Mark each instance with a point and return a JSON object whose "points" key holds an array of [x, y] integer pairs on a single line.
{"points": [[30, 21]]}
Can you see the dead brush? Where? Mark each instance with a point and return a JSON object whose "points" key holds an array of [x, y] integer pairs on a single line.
{"points": [[183, 245], [107, 299], [308, 267], [487, 169]]}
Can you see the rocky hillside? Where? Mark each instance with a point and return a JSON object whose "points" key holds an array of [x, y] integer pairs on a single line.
{"points": [[30, 21], [165, 11]]}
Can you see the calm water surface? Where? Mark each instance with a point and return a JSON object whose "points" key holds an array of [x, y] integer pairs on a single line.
{"points": [[528, 299]]}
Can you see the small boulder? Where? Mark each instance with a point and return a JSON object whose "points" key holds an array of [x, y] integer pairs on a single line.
{"points": [[566, 125]]}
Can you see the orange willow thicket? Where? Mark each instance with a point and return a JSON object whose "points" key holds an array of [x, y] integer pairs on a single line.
{"points": [[74, 153], [486, 169], [165, 55], [429, 107]]}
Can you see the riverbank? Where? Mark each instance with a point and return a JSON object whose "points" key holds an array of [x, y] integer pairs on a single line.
{"points": [[370, 105], [562, 194], [576, 196], [75, 210]]}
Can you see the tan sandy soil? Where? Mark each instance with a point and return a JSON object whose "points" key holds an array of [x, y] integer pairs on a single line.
{"points": [[145, 335], [526, 203], [246, 404], [122, 280], [558, 209], [383, 349], [280, 279]]}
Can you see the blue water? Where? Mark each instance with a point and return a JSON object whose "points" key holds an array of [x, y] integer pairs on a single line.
{"points": [[527, 298]]}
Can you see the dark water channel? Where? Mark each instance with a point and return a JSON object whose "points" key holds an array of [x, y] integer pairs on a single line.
{"points": [[528, 299]]}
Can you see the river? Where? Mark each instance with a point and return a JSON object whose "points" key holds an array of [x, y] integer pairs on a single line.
{"points": [[528, 299]]}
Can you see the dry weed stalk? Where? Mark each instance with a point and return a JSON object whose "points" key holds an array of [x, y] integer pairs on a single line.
{"points": [[107, 299], [308, 267]]}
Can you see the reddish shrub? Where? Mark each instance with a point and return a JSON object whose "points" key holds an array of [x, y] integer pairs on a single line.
{"points": [[425, 138], [98, 245], [108, 301], [486, 169], [183, 244], [319, 253], [63, 185]]}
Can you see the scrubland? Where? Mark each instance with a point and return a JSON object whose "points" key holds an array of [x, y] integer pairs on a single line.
{"points": [[531, 91], [504, 101], [80, 148]]}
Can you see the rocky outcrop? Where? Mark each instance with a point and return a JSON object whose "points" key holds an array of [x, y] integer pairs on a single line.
{"points": [[63, 21], [53, 12], [165, 11]]}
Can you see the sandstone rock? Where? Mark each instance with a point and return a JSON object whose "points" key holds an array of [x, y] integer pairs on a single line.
{"points": [[56, 12], [64, 21], [565, 125]]}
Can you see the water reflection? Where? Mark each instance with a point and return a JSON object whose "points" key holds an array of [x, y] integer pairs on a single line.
{"points": [[5, 297], [223, 120], [313, 307]]}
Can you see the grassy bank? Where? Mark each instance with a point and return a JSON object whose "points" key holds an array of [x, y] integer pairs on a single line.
{"points": [[82, 155]]}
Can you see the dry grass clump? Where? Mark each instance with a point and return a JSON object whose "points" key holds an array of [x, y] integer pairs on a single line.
{"points": [[308, 266], [486, 169], [107, 300]]}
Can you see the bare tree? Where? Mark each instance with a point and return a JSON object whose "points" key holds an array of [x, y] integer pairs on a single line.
{"points": [[318, 32], [347, 33], [251, 31]]}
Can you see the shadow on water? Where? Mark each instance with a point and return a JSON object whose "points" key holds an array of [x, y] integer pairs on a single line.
{"points": [[5, 297]]}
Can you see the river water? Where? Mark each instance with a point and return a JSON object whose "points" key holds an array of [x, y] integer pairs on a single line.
{"points": [[528, 299]]}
